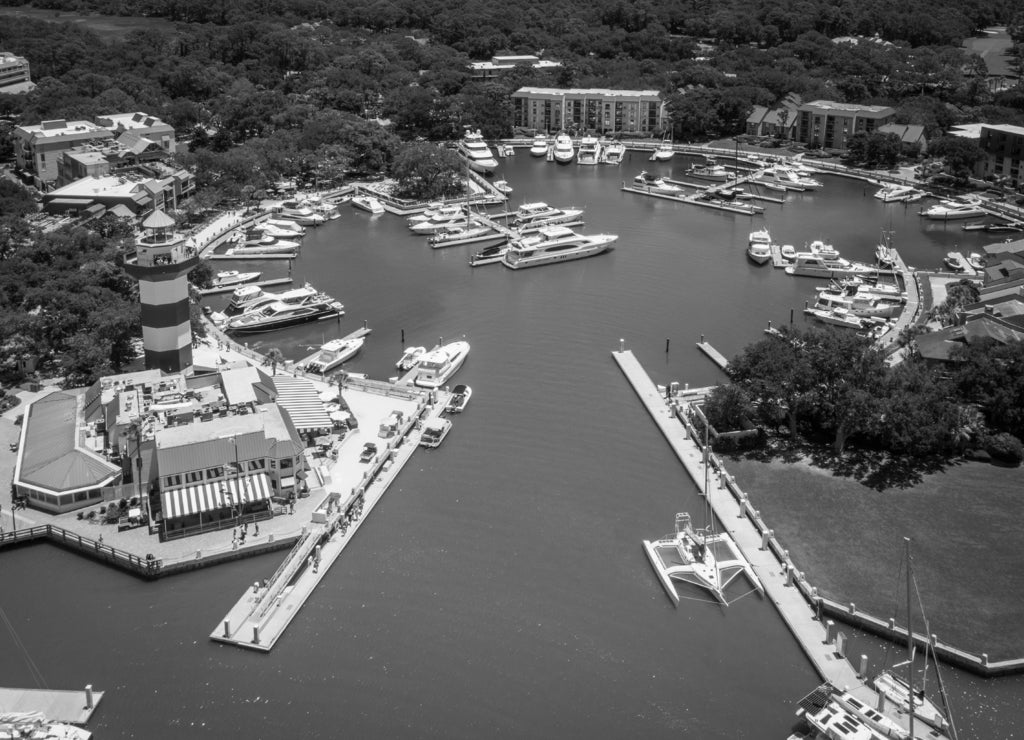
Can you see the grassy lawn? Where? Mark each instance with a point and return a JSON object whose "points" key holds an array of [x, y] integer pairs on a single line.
{"points": [[964, 522]]}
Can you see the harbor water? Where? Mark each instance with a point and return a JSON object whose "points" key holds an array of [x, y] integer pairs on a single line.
{"points": [[500, 589]]}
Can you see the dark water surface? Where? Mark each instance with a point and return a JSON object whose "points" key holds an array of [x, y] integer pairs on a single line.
{"points": [[500, 588]]}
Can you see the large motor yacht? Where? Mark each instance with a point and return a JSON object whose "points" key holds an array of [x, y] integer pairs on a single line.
{"points": [[279, 314], [477, 154], [333, 353], [539, 147], [612, 152], [759, 246], [948, 210], [554, 244], [589, 151], [563, 150], [252, 297]]}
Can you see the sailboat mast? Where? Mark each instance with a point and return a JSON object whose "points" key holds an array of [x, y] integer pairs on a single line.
{"points": [[910, 643]]}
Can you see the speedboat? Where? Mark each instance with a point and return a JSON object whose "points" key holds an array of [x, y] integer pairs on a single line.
{"points": [[613, 152], [488, 255], [410, 358], [477, 154], [563, 150], [788, 178], [224, 278], [368, 203], [434, 432], [788, 252], [825, 250], [303, 215], [283, 223], [539, 147], [976, 260], [836, 317], [539, 214], [947, 210], [333, 353], [955, 262], [279, 314], [589, 151], [502, 186], [663, 152], [759, 247], [435, 367], [554, 244], [709, 171], [460, 397], [653, 182], [252, 297]]}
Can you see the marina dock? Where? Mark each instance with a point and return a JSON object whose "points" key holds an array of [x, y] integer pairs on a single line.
{"points": [[229, 288], [695, 200], [73, 707], [264, 612], [716, 357], [252, 257]]}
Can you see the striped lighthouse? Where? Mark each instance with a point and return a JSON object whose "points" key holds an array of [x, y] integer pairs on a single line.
{"points": [[161, 264]]}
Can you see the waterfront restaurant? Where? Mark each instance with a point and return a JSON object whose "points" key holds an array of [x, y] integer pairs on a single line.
{"points": [[220, 473]]}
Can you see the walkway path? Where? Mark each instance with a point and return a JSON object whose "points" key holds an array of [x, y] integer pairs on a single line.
{"points": [[75, 707]]}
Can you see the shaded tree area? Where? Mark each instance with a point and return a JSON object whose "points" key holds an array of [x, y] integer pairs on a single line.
{"points": [[426, 171], [827, 386]]}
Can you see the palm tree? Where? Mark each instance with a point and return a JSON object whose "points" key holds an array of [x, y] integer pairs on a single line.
{"points": [[274, 355]]}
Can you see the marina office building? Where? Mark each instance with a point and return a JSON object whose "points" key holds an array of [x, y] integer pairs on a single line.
{"points": [[830, 125], [604, 111], [1003, 146]]}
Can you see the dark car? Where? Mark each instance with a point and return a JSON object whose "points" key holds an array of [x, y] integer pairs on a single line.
{"points": [[368, 453]]}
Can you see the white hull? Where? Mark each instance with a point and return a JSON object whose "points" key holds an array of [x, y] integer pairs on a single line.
{"points": [[595, 246], [434, 374], [435, 432], [759, 254], [333, 354], [366, 203]]}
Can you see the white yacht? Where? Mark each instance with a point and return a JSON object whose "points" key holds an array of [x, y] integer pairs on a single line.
{"points": [[813, 264], [454, 236], [368, 203], [459, 400], [554, 244], [759, 246], [539, 147], [503, 187], [788, 178], [294, 227], [333, 353], [612, 152], [652, 182], [589, 151], [265, 245], [224, 278], [434, 368], [663, 152], [563, 150], [836, 317], [439, 222], [948, 210], [539, 212], [955, 262], [439, 212], [279, 314], [710, 171], [894, 193], [302, 215], [862, 305], [477, 154], [272, 228], [252, 297], [824, 250]]}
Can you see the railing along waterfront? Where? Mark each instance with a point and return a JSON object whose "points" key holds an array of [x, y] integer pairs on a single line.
{"points": [[849, 613]]}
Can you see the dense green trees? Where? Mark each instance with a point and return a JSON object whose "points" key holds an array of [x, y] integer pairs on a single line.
{"points": [[833, 385], [426, 171]]}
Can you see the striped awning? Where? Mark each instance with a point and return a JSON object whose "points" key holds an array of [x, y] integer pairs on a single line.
{"points": [[217, 495], [299, 397]]}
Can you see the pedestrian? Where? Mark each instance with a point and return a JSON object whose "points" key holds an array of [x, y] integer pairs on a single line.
{"points": [[256, 533], [309, 562], [245, 528], [234, 536]]}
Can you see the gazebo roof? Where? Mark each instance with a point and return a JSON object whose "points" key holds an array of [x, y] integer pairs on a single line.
{"points": [[158, 220]]}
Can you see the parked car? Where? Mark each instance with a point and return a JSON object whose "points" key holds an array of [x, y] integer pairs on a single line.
{"points": [[368, 453]]}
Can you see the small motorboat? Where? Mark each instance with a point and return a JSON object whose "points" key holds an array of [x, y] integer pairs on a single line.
{"points": [[488, 255], [976, 260], [788, 252], [434, 432], [334, 353], [410, 358], [652, 182], [540, 145], [955, 262], [224, 278], [460, 397], [502, 186]]}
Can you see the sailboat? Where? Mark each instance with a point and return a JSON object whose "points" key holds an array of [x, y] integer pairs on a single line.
{"points": [[901, 691]]}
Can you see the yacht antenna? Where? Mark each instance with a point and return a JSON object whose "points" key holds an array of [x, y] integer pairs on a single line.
{"points": [[910, 643]]}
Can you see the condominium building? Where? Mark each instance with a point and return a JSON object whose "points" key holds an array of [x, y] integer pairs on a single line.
{"points": [[830, 125], [1004, 148], [14, 74], [142, 124], [601, 110], [499, 65]]}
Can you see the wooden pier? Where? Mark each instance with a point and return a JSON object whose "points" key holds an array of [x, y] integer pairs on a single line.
{"points": [[695, 200], [252, 257], [73, 707], [261, 616], [229, 288], [716, 357]]}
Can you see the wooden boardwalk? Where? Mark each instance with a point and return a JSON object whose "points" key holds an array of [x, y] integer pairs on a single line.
{"points": [[782, 583], [258, 620], [74, 707], [716, 357]]}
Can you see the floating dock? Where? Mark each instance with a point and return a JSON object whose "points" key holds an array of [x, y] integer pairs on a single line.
{"points": [[229, 288], [252, 257], [716, 357], [73, 707], [695, 200]]}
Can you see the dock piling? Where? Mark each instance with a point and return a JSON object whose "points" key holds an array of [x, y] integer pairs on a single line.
{"points": [[227, 628], [830, 632], [255, 634], [863, 665], [88, 696]]}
